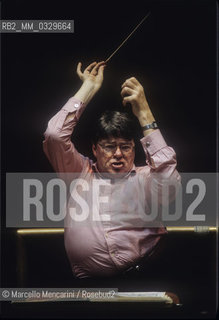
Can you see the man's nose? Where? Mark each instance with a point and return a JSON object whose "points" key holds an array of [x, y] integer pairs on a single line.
{"points": [[118, 152]]}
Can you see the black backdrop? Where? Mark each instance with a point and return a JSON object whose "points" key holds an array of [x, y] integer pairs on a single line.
{"points": [[173, 54]]}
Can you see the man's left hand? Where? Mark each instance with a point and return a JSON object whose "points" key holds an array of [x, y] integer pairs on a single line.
{"points": [[133, 93]]}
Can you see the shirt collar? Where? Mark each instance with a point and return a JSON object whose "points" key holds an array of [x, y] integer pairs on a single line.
{"points": [[131, 172]]}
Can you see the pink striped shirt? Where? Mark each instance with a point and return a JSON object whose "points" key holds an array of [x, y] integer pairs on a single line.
{"points": [[102, 248]]}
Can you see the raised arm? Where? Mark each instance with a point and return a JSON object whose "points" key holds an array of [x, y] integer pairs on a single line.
{"points": [[133, 93], [161, 159], [57, 145], [159, 156]]}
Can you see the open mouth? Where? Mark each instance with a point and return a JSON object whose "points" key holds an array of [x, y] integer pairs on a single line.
{"points": [[117, 165]]}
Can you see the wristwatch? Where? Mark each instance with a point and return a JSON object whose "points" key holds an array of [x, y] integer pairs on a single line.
{"points": [[152, 125]]}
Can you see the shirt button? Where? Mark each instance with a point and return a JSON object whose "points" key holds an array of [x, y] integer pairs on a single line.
{"points": [[148, 144], [76, 105], [106, 235], [112, 254]]}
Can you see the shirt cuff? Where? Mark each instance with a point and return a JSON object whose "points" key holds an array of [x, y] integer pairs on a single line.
{"points": [[73, 105], [153, 142]]}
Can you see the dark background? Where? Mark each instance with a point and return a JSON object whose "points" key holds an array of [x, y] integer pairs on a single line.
{"points": [[173, 55]]}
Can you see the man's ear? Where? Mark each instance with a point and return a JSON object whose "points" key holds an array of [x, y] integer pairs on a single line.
{"points": [[94, 150]]}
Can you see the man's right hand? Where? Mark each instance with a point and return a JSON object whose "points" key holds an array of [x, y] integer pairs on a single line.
{"points": [[92, 78], [93, 73]]}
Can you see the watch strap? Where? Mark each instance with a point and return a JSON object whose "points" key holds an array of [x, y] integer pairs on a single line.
{"points": [[152, 125]]}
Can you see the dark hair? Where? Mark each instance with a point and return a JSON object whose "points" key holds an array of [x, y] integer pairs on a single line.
{"points": [[113, 123]]}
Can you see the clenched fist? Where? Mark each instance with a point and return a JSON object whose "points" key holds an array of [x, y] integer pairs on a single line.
{"points": [[133, 93]]}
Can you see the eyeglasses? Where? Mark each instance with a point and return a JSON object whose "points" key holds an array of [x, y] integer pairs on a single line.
{"points": [[111, 148]]}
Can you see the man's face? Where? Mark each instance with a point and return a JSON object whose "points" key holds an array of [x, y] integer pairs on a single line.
{"points": [[114, 155]]}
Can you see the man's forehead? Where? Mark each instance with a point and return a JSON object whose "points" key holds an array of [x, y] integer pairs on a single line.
{"points": [[116, 140]]}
